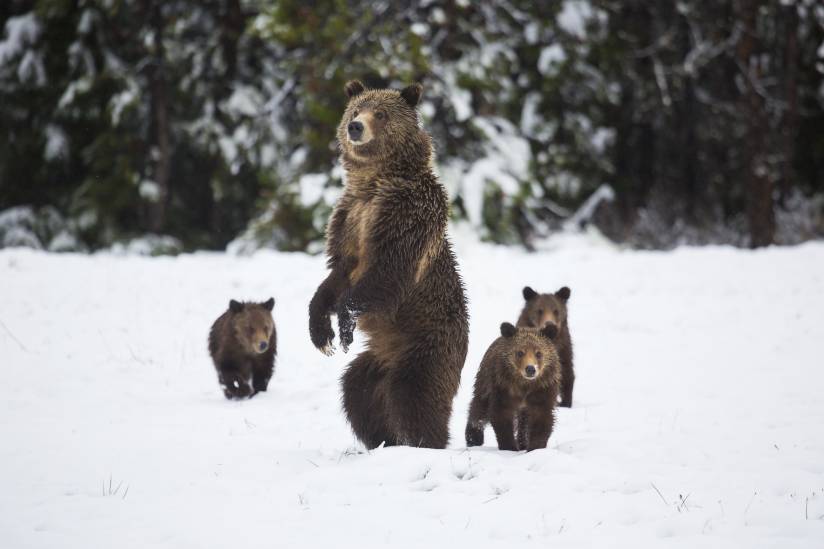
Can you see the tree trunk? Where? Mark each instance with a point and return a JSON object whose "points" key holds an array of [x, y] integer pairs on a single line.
{"points": [[160, 121], [758, 187], [789, 126]]}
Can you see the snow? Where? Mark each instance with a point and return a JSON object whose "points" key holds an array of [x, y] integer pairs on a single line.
{"points": [[421, 29], [121, 101], [312, 186], [79, 86], [551, 59], [602, 137], [459, 98], [532, 123], [574, 16], [149, 190], [31, 69], [57, 144], [584, 214], [505, 164], [21, 31], [697, 420], [245, 101]]}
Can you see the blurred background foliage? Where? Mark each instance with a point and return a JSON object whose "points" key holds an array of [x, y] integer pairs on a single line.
{"points": [[161, 126]]}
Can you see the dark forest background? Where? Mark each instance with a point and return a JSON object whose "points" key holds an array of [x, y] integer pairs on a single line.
{"points": [[174, 125]]}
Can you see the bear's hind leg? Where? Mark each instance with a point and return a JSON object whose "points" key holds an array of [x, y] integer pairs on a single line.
{"points": [[363, 401], [419, 409]]}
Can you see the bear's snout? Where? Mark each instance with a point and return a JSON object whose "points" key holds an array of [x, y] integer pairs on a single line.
{"points": [[263, 346], [530, 371], [355, 130]]}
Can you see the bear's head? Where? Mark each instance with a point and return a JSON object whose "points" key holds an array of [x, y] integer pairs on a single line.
{"points": [[530, 352], [253, 324], [381, 127], [542, 308]]}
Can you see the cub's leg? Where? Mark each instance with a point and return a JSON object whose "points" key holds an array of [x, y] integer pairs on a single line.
{"points": [[541, 422], [567, 383], [261, 376], [522, 434], [477, 420], [235, 381], [503, 422]]}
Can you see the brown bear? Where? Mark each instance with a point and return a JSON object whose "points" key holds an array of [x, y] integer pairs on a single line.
{"points": [[393, 273], [516, 389], [542, 308], [243, 345]]}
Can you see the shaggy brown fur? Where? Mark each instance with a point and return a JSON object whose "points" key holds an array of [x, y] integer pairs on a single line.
{"points": [[520, 408], [542, 308], [243, 345], [393, 272]]}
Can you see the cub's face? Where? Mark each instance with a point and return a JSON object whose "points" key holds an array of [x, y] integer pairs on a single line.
{"points": [[542, 308], [253, 324], [377, 123], [531, 351]]}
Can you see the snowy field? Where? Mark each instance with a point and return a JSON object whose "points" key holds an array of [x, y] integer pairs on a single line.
{"points": [[699, 417]]}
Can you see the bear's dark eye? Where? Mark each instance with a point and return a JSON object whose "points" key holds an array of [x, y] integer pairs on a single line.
{"points": [[520, 354], [538, 355], [556, 312], [355, 113], [379, 115], [540, 311]]}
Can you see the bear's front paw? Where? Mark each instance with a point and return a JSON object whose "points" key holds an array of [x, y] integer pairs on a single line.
{"points": [[320, 330], [346, 326]]}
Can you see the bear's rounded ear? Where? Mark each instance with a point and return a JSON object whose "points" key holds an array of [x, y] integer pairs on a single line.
{"points": [[353, 88], [235, 306], [550, 331], [507, 329], [412, 94], [529, 293], [563, 293], [269, 304]]}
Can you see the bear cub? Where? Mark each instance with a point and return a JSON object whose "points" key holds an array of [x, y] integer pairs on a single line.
{"points": [[542, 308], [516, 389], [243, 345]]}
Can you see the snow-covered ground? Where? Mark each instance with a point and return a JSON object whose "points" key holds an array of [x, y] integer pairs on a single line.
{"points": [[699, 420]]}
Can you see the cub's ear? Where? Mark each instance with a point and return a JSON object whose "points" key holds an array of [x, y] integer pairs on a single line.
{"points": [[529, 293], [412, 94], [549, 331], [563, 293], [269, 304], [235, 306], [353, 88], [507, 329]]}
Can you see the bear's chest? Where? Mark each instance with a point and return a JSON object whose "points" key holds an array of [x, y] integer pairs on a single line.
{"points": [[360, 219]]}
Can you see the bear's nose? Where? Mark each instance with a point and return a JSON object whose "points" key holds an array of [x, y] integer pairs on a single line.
{"points": [[263, 345], [530, 371], [355, 129]]}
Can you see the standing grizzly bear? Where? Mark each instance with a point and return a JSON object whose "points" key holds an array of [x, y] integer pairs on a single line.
{"points": [[516, 389], [394, 274], [542, 308], [243, 345]]}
